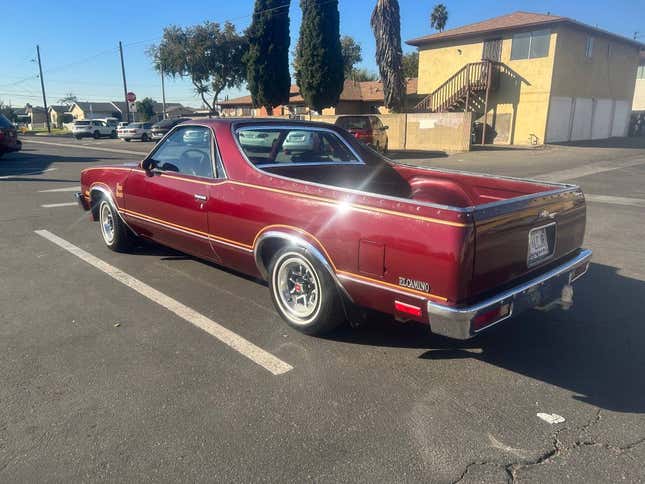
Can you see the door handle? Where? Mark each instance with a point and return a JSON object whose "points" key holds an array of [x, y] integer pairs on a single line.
{"points": [[201, 198]]}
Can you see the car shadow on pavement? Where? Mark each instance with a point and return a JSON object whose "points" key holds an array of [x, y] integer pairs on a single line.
{"points": [[24, 164], [596, 350]]}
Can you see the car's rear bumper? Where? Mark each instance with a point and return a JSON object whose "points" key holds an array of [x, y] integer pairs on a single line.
{"points": [[12, 146], [542, 292]]}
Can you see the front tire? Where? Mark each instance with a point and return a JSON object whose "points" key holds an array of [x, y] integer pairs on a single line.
{"points": [[144, 137], [304, 292], [114, 232], [97, 135], [113, 135]]}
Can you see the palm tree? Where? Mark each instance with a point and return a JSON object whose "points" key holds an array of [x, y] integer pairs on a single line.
{"points": [[439, 17], [386, 25]]}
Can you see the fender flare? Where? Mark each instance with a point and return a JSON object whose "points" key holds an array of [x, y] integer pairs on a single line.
{"points": [[296, 241], [107, 193]]}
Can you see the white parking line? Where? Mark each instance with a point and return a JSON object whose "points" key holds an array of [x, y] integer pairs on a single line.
{"points": [[631, 202], [88, 147], [590, 169], [55, 205], [64, 189], [226, 336]]}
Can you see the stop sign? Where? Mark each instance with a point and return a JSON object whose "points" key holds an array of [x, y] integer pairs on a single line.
{"points": [[131, 97]]}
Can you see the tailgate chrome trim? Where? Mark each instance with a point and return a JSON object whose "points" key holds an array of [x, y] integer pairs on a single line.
{"points": [[456, 322]]}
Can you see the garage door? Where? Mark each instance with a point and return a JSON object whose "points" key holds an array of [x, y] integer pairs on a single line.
{"points": [[582, 115], [621, 119], [602, 118], [559, 119]]}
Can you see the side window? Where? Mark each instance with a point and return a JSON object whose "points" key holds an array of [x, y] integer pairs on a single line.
{"points": [[284, 146], [187, 150]]}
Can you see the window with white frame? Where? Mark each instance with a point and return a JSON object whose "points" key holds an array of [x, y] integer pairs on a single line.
{"points": [[530, 45], [589, 47]]}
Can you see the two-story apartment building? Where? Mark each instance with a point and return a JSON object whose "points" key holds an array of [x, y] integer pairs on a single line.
{"points": [[552, 78]]}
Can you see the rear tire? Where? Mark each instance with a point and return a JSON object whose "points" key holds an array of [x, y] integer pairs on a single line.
{"points": [[78, 137], [304, 293], [144, 137], [113, 135], [385, 148], [97, 135], [115, 233]]}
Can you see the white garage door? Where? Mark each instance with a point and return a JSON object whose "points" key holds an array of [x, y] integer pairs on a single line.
{"points": [[621, 119], [559, 119], [602, 118], [583, 108]]}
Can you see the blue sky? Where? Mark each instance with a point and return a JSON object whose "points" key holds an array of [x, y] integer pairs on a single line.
{"points": [[78, 39]]}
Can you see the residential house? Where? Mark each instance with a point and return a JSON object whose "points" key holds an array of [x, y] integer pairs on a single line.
{"points": [[639, 90], [59, 114], [356, 98], [35, 116], [94, 110], [539, 78], [173, 110]]}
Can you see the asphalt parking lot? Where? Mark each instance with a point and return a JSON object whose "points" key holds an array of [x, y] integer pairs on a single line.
{"points": [[101, 380]]}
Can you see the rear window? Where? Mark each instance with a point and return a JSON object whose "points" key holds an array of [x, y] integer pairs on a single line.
{"points": [[293, 145], [4, 122], [134, 125], [168, 123], [354, 122]]}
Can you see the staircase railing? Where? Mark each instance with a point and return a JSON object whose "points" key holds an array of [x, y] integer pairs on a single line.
{"points": [[474, 76]]}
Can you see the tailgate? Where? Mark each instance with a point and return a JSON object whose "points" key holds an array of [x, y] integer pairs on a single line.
{"points": [[554, 221]]}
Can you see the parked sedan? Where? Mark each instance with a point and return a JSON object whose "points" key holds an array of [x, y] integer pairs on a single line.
{"points": [[141, 131], [8, 137], [367, 128], [160, 129]]}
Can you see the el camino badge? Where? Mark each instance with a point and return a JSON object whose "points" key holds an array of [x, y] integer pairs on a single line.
{"points": [[414, 284]]}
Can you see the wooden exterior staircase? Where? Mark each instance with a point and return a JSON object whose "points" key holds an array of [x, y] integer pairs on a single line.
{"points": [[464, 90]]}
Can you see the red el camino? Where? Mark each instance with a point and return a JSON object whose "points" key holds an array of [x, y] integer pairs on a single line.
{"points": [[332, 225]]}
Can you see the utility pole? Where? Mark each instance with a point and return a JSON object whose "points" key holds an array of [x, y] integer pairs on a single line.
{"points": [[163, 93], [125, 86], [42, 85]]}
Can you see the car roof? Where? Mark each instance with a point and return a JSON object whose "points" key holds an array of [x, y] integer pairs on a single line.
{"points": [[238, 122]]}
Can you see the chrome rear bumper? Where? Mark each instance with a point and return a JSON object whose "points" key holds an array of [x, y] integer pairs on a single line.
{"points": [[544, 291]]}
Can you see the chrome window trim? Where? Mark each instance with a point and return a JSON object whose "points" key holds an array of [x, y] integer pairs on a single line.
{"points": [[261, 127], [305, 163], [563, 187]]}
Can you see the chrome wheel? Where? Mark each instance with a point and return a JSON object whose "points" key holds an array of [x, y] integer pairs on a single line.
{"points": [[107, 223], [297, 288]]}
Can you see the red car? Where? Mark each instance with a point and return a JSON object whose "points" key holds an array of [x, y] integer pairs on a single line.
{"points": [[332, 225], [367, 128], [9, 141]]}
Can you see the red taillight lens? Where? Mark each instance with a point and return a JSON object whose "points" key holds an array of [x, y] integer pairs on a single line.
{"points": [[407, 309], [363, 134], [491, 316]]}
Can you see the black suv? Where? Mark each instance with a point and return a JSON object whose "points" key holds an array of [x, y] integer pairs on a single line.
{"points": [[160, 129], [8, 137]]}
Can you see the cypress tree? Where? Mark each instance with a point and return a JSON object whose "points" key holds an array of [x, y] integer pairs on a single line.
{"points": [[267, 58], [320, 60]]}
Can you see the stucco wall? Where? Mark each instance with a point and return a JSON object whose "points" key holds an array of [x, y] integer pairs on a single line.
{"points": [[519, 105], [433, 131], [610, 73], [639, 96]]}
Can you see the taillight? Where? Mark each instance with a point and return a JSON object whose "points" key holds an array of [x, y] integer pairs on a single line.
{"points": [[491, 316], [363, 134], [407, 309]]}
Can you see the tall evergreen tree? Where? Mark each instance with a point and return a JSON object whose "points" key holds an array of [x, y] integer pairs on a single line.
{"points": [[267, 58], [386, 25], [320, 59]]}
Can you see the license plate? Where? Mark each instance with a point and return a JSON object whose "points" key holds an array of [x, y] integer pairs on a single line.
{"points": [[538, 245]]}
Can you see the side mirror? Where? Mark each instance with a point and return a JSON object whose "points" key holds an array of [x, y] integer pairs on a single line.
{"points": [[385, 127], [148, 165]]}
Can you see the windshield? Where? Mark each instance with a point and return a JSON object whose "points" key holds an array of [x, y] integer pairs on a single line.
{"points": [[284, 146], [354, 122], [81, 123], [134, 125]]}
